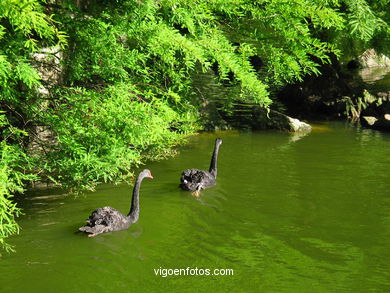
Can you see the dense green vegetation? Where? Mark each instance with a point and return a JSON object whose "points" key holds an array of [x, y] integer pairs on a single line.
{"points": [[123, 93]]}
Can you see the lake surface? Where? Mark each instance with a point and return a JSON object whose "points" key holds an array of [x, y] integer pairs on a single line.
{"points": [[289, 213]]}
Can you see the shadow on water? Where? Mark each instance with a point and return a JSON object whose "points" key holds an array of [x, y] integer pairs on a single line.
{"points": [[290, 213]]}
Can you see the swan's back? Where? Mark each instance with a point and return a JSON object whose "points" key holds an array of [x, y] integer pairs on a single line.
{"points": [[105, 219], [194, 179]]}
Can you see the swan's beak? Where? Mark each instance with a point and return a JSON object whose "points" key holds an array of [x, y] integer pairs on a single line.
{"points": [[150, 176]]}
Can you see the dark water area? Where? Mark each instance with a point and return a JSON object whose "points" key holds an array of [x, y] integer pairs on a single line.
{"points": [[289, 213]]}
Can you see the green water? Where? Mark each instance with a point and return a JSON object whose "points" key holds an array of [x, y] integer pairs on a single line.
{"points": [[289, 213]]}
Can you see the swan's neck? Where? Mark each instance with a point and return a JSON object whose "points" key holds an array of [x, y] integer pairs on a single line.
{"points": [[213, 163], [134, 210]]}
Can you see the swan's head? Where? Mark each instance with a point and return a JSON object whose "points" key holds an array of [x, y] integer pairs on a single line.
{"points": [[146, 174], [218, 141]]}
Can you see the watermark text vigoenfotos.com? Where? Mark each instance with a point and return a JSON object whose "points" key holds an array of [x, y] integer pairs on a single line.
{"points": [[165, 272]]}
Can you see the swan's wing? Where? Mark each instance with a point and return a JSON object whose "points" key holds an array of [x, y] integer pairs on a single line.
{"points": [[193, 175], [104, 216], [105, 220], [194, 179]]}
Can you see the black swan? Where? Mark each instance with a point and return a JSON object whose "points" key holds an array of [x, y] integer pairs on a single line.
{"points": [[108, 219], [195, 180]]}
